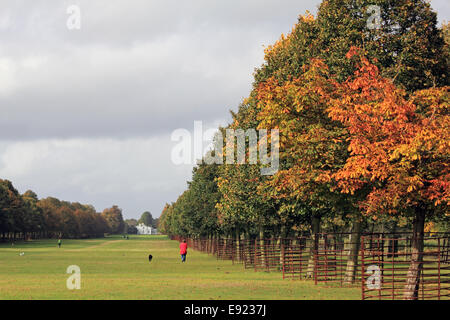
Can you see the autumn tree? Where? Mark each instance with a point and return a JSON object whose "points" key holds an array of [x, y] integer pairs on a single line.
{"points": [[399, 149], [69, 224], [340, 25], [114, 219], [311, 143], [292, 90], [49, 207]]}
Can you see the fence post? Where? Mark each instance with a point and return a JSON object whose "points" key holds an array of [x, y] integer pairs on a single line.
{"points": [[315, 251], [282, 256], [363, 272], [439, 268], [325, 236], [255, 254]]}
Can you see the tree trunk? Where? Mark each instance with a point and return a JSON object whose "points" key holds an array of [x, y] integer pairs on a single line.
{"points": [[261, 245], [411, 291], [238, 245], [352, 260], [214, 243], [295, 236], [242, 245], [282, 236], [315, 227], [209, 243], [393, 243]]}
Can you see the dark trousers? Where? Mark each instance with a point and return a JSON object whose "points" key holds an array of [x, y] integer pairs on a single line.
{"points": [[183, 257]]}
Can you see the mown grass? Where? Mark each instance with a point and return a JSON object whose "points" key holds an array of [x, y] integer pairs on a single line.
{"points": [[115, 268]]}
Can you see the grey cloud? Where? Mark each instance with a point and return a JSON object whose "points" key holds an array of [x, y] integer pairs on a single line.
{"points": [[134, 69]]}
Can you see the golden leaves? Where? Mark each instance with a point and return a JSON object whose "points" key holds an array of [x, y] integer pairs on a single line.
{"points": [[396, 144]]}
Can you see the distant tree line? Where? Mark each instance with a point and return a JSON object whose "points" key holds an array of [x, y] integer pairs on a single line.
{"points": [[27, 217]]}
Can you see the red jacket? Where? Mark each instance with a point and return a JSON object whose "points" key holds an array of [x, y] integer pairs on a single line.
{"points": [[183, 248]]}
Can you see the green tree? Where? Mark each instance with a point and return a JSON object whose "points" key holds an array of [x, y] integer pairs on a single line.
{"points": [[12, 209], [35, 222], [131, 222], [146, 219]]}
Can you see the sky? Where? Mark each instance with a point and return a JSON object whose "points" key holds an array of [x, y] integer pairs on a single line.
{"points": [[86, 114]]}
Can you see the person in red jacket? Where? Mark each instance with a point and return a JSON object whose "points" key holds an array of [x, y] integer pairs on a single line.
{"points": [[183, 250]]}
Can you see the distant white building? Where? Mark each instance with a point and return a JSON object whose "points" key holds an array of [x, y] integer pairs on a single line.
{"points": [[143, 229]]}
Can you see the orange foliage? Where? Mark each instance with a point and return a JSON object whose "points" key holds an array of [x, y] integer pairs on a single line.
{"points": [[399, 146]]}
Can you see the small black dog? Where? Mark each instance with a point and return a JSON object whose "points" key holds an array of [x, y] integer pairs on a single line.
{"points": [[150, 257]]}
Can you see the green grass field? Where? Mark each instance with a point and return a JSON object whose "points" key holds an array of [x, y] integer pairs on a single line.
{"points": [[114, 268]]}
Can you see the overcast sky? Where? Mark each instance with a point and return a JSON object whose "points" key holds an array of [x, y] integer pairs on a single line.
{"points": [[87, 115]]}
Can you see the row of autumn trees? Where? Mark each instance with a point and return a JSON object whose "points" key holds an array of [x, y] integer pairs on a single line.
{"points": [[364, 133], [27, 217]]}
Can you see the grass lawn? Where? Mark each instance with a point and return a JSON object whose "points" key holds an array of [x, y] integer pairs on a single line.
{"points": [[114, 268]]}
